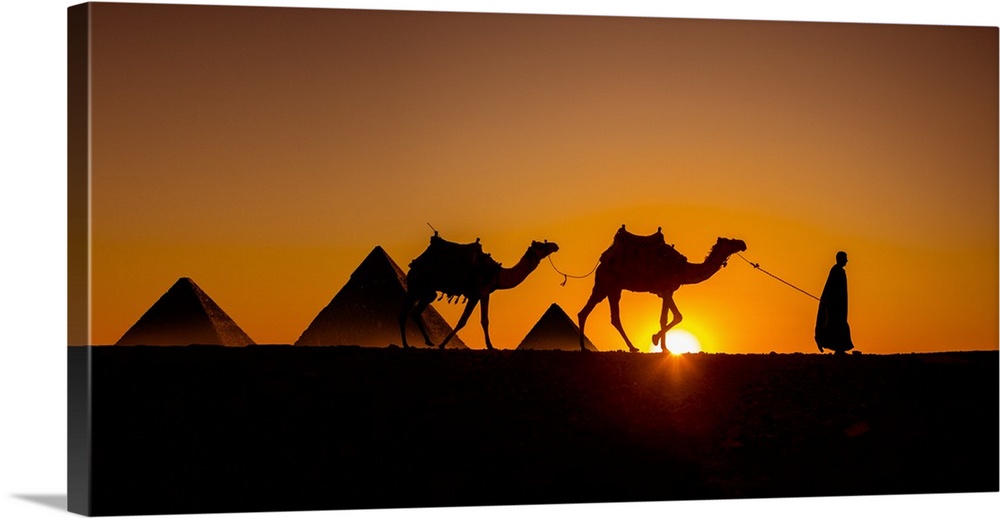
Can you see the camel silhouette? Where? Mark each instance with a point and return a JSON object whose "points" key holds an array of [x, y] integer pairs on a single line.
{"points": [[464, 270], [648, 264]]}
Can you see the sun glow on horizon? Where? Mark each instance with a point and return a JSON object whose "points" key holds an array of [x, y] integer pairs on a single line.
{"points": [[679, 341]]}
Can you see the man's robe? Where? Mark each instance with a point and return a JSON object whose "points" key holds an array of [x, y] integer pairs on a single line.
{"points": [[832, 330]]}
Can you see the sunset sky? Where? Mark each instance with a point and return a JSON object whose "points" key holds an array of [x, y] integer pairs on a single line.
{"points": [[265, 152]]}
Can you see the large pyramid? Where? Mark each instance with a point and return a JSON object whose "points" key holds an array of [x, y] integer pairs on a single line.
{"points": [[366, 310], [554, 331], [185, 315]]}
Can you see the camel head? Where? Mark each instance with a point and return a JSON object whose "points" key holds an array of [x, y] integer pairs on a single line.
{"points": [[725, 247], [542, 249], [511, 277]]}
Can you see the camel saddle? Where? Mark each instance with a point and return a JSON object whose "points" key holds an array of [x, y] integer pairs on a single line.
{"points": [[641, 254], [465, 264]]}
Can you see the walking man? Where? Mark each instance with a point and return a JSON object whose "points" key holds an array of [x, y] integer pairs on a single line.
{"points": [[832, 330]]}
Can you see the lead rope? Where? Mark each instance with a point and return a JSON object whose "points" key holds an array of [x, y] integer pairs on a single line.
{"points": [[757, 267], [567, 276]]}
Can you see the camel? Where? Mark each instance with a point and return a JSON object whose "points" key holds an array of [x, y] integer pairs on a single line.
{"points": [[455, 270], [647, 264]]}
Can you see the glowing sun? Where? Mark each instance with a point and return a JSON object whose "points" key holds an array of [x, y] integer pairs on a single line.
{"points": [[679, 341]]}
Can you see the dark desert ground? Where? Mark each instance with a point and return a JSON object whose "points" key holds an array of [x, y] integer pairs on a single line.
{"points": [[214, 429]]}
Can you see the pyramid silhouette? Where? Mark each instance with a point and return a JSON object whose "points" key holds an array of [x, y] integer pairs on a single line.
{"points": [[554, 331], [185, 315], [366, 310]]}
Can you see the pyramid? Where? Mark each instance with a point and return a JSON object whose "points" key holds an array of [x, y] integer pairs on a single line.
{"points": [[185, 315], [366, 310], [554, 331]]}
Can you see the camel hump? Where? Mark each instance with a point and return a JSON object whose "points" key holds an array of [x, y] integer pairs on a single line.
{"points": [[640, 251], [462, 264], [441, 249]]}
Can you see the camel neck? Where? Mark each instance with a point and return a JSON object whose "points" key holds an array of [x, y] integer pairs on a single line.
{"points": [[700, 272], [511, 277]]}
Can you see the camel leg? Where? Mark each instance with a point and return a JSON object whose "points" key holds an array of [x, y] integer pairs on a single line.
{"points": [[616, 320], [469, 306], [595, 298], [418, 311], [404, 314], [668, 307], [484, 318]]}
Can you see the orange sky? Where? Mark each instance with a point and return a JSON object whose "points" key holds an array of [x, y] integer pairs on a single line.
{"points": [[265, 152]]}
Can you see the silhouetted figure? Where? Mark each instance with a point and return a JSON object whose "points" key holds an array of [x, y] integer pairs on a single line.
{"points": [[648, 264], [454, 270], [832, 330]]}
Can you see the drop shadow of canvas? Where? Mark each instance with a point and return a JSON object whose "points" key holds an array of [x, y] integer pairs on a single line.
{"points": [[58, 502]]}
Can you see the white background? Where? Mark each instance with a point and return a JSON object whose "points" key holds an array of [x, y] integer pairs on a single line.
{"points": [[33, 254]]}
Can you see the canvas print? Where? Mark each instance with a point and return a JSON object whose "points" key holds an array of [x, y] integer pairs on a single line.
{"points": [[342, 259]]}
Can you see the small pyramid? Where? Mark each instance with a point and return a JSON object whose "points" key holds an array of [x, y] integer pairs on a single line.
{"points": [[554, 331], [366, 310], [185, 315]]}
